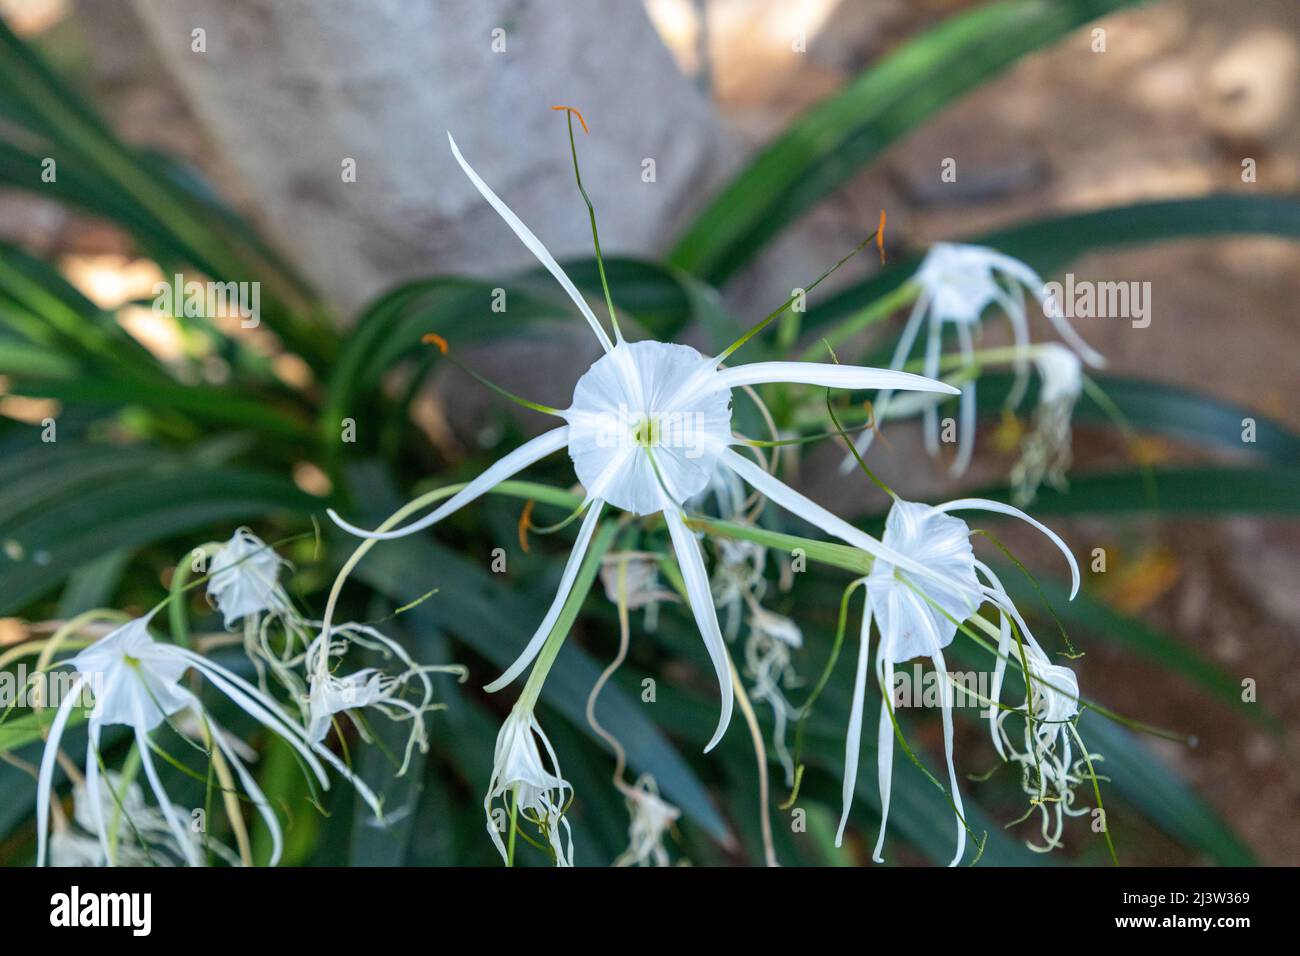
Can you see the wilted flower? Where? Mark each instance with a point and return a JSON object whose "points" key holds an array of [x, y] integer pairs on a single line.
{"points": [[529, 790], [651, 817], [768, 661], [1045, 453], [649, 424], [958, 282], [243, 578], [137, 682], [917, 615], [1049, 769], [331, 694]]}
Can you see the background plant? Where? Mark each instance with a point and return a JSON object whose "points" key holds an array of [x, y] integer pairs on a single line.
{"points": [[152, 458]]}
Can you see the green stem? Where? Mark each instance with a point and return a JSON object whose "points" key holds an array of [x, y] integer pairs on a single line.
{"points": [[878, 311]]}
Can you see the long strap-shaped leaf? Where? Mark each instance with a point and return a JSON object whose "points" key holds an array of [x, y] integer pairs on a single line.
{"points": [[836, 138]]}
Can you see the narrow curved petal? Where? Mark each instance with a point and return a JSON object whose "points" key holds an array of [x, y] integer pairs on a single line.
{"points": [[513, 463], [267, 712], [792, 501], [260, 707], [999, 673], [884, 750], [930, 365], [700, 594], [183, 842], [45, 777], [853, 739], [853, 377], [94, 792], [915, 320], [984, 504], [255, 794], [1014, 307], [534, 245], [945, 701], [1032, 281], [966, 425], [570, 574]]}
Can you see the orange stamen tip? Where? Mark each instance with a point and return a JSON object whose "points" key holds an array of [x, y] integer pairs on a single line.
{"points": [[570, 109], [525, 522], [880, 237], [433, 338]]}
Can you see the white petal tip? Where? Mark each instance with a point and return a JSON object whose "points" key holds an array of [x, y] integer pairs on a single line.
{"points": [[498, 684]]}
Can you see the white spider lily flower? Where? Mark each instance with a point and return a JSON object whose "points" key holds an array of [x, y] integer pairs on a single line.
{"points": [[649, 424], [651, 818], [137, 682], [917, 615], [244, 578], [1045, 453], [958, 282], [521, 780], [331, 694]]}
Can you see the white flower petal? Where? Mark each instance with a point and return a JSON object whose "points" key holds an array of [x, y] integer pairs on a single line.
{"points": [[884, 752], [852, 377], [789, 499], [700, 594], [255, 794], [853, 739], [519, 459], [571, 567], [945, 702], [534, 245], [984, 504], [45, 777], [183, 842]]}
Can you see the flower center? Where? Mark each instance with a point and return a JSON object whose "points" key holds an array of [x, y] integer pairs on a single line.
{"points": [[646, 431], [645, 422]]}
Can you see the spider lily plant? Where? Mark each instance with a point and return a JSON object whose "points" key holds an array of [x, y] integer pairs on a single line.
{"points": [[649, 424], [917, 615], [138, 683]]}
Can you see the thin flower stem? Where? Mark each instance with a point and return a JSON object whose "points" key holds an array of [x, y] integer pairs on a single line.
{"points": [[176, 616], [624, 639], [1096, 792], [878, 311], [771, 316], [229, 795], [760, 756], [591, 213], [514, 827]]}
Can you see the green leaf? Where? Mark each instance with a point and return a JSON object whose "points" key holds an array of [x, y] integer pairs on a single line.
{"points": [[1160, 409], [1047, 244], [1197, 490], [822, 149], [74, 531]]}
